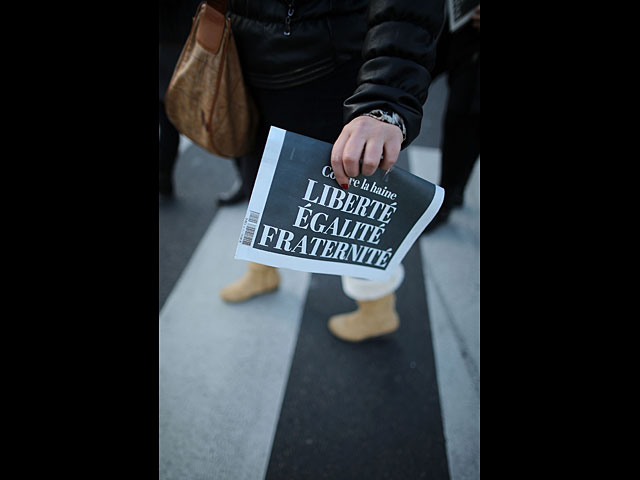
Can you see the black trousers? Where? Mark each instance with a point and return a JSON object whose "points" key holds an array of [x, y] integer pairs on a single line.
{"points": [[169, 142], [458, 55], [313, 109], [461, 132]]}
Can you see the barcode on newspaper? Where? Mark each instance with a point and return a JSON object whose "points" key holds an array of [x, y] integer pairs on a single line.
{"points": [[250, 225]]}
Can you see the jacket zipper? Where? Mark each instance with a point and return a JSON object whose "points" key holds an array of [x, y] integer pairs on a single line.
{"points": [[287, 19]]}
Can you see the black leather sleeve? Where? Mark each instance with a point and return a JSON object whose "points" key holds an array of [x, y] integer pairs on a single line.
{"points": [[399, 54]]}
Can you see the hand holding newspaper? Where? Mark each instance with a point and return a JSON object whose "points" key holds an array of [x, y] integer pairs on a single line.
{"points": [[300, 218]]}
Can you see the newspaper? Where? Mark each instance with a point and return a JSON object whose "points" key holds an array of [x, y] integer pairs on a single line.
{"points": [[300, 218], [460, 11]]}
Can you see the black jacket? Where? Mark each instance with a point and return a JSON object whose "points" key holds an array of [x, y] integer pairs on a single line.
{"points": [[394, 39]]}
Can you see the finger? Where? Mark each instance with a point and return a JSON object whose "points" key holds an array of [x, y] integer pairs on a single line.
{"points": [[352, 154], [336, 160], [371, 159], [391, 153]]}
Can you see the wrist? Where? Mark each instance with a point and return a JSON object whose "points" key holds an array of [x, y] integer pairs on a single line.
{"points": [[389, 117]]}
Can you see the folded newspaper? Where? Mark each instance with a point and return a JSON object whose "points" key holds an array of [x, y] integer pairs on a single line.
{"points": [[300, 218]]}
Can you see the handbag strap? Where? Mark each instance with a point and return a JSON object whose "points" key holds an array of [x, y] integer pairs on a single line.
{"points": [[219, 5]]}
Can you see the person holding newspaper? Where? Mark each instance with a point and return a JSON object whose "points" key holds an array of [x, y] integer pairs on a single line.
{"points": [[354, 74]]}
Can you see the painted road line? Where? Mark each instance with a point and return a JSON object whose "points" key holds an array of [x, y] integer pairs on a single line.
{"points": [[223, 368]]}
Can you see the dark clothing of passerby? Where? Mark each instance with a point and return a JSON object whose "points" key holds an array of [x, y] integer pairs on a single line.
{"points": [[174, 25], [458, 56]]}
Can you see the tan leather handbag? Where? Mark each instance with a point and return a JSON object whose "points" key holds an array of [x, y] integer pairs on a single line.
{"points": [[207, 100]]}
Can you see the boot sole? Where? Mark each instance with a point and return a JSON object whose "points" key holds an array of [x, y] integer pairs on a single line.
{"points": [[374, 338]]}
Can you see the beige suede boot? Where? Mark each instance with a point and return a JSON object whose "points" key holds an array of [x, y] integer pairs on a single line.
{"points": [[258, 280], [373, 318]]}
